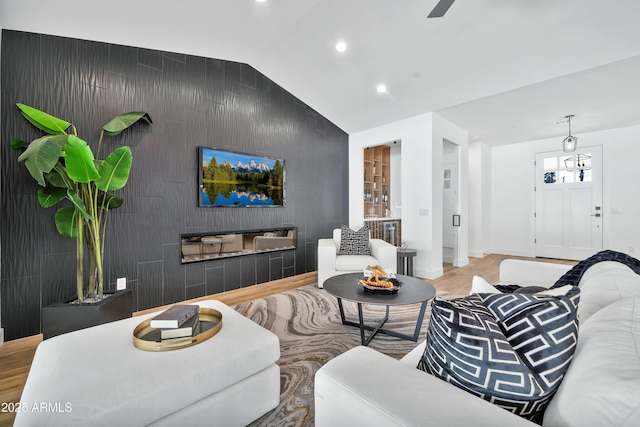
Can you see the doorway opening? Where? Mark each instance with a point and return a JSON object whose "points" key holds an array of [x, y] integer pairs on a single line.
{"points": [[450, 202]]}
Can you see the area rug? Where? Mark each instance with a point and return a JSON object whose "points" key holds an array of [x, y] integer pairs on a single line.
{"points": [[307, 321]]}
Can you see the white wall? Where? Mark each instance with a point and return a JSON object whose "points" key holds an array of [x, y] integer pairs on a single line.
{"points": [[513, 199], [415, 193], [479, 199], [445, 130], [421, 178]]}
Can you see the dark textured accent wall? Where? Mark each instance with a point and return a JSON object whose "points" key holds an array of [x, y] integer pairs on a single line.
{"points": [[193, 101]]}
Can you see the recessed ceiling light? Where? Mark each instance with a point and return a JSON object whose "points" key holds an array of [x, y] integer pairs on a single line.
{"points": [[341, 46], [260, 1], [381, 88]]}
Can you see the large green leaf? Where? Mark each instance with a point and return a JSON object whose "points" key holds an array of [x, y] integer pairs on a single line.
{"points": [[79, 205], [79, 160], [66, 222], [123, 121], [51, 196], [114, 170], [109, 201], [58, 177], [19, 145], [42, 155], [43, 121]]}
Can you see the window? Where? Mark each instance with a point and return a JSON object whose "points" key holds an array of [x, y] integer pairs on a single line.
{"points": [[567, 169]]}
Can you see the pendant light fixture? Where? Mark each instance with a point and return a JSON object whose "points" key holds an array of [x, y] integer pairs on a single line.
{"points": [[578, 162], [571, 142]]}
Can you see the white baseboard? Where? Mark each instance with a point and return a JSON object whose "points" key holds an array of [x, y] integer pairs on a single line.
{"points": [[480, 254], [428, 274], [1, 336], [513, 252]]}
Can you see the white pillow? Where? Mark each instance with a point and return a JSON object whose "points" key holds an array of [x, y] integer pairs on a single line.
{"points": [[559, 291], [481, 286]]}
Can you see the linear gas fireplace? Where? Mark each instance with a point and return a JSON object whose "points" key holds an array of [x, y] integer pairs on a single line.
{"points": [[198, 247]]}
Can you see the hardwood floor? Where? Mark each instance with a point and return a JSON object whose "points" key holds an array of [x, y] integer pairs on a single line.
{"points": [[16, 356]]}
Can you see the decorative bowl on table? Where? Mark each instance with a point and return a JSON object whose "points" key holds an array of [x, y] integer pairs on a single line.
{"points": [[379, 280]]}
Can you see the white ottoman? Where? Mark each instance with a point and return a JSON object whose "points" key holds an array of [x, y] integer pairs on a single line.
{"points": [[97, 377]]}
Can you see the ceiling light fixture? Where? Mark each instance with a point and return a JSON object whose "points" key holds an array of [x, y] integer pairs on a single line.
{"points": [[581, 162], [260, 1], [341, 46], [381, 88], [570, 142]]}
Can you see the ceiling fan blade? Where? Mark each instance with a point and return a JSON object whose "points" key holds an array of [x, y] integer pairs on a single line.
{"points": [[440, 9]]}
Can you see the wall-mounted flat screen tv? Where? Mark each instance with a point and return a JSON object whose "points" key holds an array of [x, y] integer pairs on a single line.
{"points": [[230, 179]]}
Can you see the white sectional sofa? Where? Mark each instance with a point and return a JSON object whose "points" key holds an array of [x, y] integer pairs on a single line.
{"points": [[601, 387]]}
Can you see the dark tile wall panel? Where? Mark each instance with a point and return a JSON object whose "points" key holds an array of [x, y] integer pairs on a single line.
{"points": [[288, 263], [248, 271], [150, 292], [61, 282], [173, 278], [232, 274], [22, 314], [275, 264], [214, 279], [262, 268], [193, 101], [196, 291]]}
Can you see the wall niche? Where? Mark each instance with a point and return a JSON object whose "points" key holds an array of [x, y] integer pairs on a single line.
{"points": [[200, 247]]}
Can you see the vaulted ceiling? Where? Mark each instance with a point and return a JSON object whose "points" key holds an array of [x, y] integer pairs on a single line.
{"points": [[504, 70]]}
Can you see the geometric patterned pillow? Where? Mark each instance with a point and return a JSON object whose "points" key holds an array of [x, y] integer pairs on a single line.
{"points": [[354, 242], [509, 349]]}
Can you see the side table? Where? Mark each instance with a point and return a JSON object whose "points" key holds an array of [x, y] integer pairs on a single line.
{"points": [[405, 261]]}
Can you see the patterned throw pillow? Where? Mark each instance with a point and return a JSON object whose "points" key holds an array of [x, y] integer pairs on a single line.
{"points": [[509, 349], [354, 242]]}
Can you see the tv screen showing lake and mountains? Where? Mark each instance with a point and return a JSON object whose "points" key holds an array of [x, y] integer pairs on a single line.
{"points": [[237, 179]]}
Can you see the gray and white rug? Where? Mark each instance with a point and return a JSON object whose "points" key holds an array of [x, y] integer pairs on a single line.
{"points": [[307, 321]]}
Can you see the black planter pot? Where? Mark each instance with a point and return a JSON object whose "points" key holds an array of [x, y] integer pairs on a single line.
{"points": [[66, 317]]}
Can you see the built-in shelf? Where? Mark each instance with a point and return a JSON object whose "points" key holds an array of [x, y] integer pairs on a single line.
{"points": [[377, 188], [377, 195]]}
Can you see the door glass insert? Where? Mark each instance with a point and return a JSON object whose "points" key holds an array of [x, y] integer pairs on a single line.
{"points": [[567, 169], [447, 179]]}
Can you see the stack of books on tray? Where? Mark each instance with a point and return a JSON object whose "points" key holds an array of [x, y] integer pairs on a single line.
{"points": [[178, 321]]}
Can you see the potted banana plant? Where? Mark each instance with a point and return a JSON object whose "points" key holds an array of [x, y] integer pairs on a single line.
{"points": [[66, 168]]}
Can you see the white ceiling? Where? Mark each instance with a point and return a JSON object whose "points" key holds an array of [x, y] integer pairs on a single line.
{"points": [[504, 70]]}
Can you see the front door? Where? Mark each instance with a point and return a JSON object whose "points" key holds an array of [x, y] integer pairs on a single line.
{"points": [[569, 204]]}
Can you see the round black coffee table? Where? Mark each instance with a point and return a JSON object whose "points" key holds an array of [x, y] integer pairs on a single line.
{"points": [[413, 291]]}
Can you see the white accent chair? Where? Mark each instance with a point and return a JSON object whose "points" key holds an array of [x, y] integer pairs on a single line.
{"points": [[331, 264]]}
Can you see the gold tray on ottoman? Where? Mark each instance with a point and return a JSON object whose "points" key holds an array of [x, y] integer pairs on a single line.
{"points": [[210, 324]]}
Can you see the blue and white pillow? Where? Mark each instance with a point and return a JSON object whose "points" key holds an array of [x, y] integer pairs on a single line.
{"points": [[509, 349]]}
